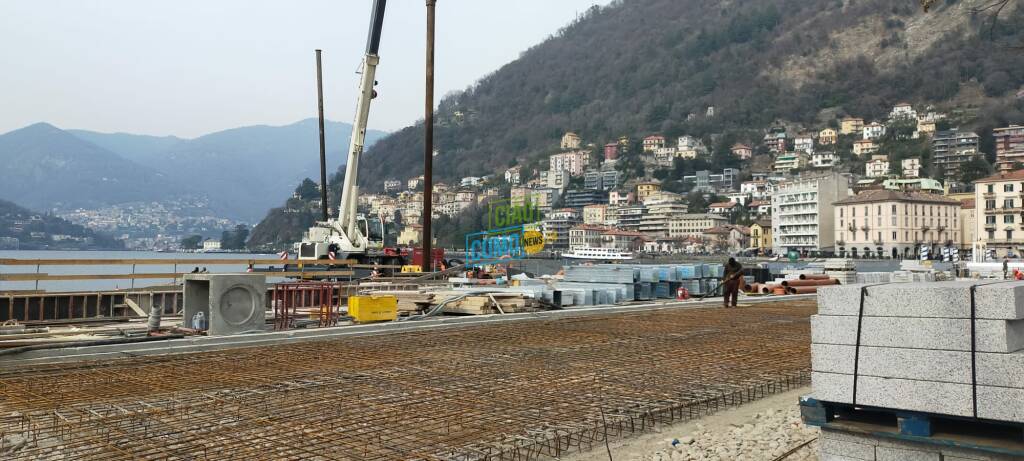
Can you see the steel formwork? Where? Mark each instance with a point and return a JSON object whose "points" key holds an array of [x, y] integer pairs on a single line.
{"points": [[523, 390]]}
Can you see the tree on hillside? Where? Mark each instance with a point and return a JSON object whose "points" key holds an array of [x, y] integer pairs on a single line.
{"points": [[192, 242], [234, 239], [696, 203], [308, 190]]}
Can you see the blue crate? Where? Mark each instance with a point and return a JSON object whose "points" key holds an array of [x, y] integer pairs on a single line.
{"points": [[688, 271], [643, 291], [662, 291]]}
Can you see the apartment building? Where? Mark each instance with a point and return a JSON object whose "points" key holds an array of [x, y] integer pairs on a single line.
{"points": [[1009, 146], [595, 214], [803, 215], [656, 222], [557, 224], [951, 149], [693, 224], [895, 224], [999, 202]]}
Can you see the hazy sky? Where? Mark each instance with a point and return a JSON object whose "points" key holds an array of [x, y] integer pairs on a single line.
{"points": [[189, 67]]}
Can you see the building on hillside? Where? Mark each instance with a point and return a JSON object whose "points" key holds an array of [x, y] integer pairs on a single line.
{"points": [[611, 151], [596, 215], [761, 236], [925, 127], [647, 188], [1009, 147], [571, 141], [828, 137], [514, 175], [739, 197], [804, 142], [894, 224], [862, 147], [579, 198], [585, 236], [968, 224], [903, 110], [742, 151], [723, 208], [775, 140], [760, 207], [786, 163], [574, 162], [392, 185], [557, 225], [653, 143], [874, 131], [629, 217], [851, 125], [951, 149], [999, 200], [541, 197], [911, 168], [211, 245], [617, 198], [803, 215], [655, 222], [693, 224], [757, 189], [824, 159], [663, 196], [622, 240], [704, 181], [411, 235], [690, 143], [414, 183], [471, 181], [728, 238], [556, 178], [877, 167], [928, 185]]}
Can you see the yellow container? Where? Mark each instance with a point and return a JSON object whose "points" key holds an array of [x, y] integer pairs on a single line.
{"points": [[411, 269], [373, 308]]}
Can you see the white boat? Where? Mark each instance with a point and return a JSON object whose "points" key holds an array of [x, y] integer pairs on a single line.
{"points": [[601, 254]]}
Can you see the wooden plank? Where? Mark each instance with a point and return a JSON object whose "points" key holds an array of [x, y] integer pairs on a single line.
{"points": [[171, 261], [135, 307]]}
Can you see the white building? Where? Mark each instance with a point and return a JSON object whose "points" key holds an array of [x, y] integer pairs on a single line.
{"points": [[574, 162], [211, 244], [874, 131], [571, 141], [824, 159], [803, 218], [392, 185], [911, 168], [877, 167], [804, 143], [903, 110], [758, 190], [693, 225], [513, 175]]}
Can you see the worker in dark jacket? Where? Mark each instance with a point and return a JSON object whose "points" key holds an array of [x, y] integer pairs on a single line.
{"points": [[732, 281]]}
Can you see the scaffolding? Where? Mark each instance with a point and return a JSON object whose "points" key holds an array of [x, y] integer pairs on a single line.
{"points": [[524, 390]]}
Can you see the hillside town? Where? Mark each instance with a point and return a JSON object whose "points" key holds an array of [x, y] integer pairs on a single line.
{"points": [[850, 189]]}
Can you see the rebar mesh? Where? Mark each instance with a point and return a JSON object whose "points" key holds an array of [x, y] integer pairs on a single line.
{"points": [[520, 390]]}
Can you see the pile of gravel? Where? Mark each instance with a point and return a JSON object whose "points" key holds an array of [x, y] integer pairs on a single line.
{"points": [[765, 437]]}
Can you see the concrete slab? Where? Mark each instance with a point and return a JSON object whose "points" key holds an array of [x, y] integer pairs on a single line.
{"points": [[849, 449], [1004, 370], [1000, 336], [995, 301], [902, 454], [996, 403], [946, 452]]}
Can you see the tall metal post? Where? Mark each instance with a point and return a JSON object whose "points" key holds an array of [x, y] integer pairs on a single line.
{"points": [[323, 149], [428, 144]]}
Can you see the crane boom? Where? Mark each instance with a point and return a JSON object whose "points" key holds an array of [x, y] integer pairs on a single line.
{"points": [[347, 208]]}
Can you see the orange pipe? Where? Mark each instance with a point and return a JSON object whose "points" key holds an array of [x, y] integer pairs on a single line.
{"points": [[809, 283], [814, 277]]}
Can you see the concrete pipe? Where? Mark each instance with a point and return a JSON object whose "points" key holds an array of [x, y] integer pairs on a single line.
{"points": [[809, 283], [814, 277], [802, 290]]}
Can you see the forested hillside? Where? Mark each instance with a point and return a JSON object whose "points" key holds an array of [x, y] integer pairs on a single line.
{"points": [[655, 66]]}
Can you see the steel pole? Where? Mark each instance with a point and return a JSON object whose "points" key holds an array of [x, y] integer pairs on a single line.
{"points": [[323, 149], [428, 144]]}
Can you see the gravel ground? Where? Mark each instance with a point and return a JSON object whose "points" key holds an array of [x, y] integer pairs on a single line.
{"points": [[759, 431]]}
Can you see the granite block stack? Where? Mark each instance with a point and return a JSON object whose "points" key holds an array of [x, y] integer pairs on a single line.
{"points": [[616, 283], [916, 350], [947, 349]]}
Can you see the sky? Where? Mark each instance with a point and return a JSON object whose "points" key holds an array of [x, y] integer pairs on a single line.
{"points": [[190, 67]]}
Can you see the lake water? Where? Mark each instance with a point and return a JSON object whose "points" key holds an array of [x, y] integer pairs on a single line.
{"points": [[84, 285]]}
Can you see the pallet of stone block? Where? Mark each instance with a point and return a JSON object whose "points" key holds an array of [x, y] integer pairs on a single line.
{"points": [[839, 264], [600, 274], [615, 293], [994, 403], [689, 271], [957, 367], [868, 434], [643, 291], [648, 274], [713, 271], [997, 336], [993, 300]]}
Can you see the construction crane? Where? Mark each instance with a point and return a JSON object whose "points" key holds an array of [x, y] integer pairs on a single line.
{"points": [[351, 235]]}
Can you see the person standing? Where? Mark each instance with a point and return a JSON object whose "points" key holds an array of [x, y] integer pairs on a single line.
{"points": [[732, 280], [1006, 267]]}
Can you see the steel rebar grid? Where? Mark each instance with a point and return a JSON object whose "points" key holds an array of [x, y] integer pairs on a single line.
{"points": [[516, 391]]}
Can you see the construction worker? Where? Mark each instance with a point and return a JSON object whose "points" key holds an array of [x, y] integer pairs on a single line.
{"points": [[732, 281], [1006, 267]]}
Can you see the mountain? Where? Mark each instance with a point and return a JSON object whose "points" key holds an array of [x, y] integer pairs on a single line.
{"points": [[45, 167], [638, 67], [244, 171], [35, 231]]}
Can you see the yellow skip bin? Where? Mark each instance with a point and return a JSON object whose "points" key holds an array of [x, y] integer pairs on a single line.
{"points": [[373, 308]]}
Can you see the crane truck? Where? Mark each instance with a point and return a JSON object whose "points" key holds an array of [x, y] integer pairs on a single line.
{"points": [[352, 235]]}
